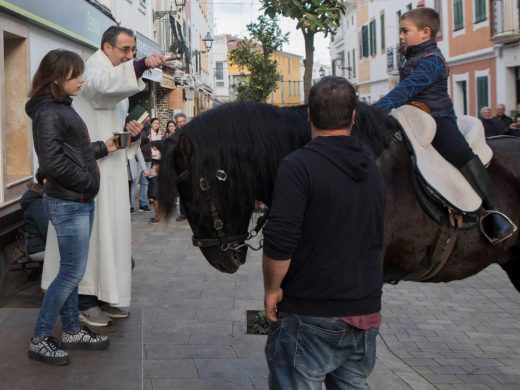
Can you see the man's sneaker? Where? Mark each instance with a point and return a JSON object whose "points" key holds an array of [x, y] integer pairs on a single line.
{"points": [[94, 317], [115, 312], [48, 351], [84, 339], [132, 210], [153, 221], [145, 208]]}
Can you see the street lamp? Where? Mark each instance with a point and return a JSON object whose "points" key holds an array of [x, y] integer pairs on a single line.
{"points": [[208, 41], [321, 72]]}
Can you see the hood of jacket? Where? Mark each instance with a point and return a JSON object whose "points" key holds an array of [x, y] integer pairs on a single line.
{"points": [[346, 153], [36, 102]]}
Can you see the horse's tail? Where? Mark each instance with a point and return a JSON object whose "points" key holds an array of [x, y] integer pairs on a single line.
{"points": [[167, 179]]}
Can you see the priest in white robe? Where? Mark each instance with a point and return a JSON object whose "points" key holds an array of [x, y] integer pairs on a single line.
{"points": [[111, 76]]}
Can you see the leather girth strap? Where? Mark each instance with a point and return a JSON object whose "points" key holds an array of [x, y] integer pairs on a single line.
{"points": [[440, 255]]}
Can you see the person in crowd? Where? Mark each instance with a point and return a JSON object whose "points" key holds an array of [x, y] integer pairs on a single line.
{"points": [[35, 219], [111, 76], [155, 141], [171, 127], [67, 158], [180, 121], [490, 126], [146, 150], [136, 167], [424, 83], [501, 120], [323, 292]]}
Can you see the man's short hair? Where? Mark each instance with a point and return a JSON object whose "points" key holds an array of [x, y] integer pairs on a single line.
{"points": [[331, 103], [424, 17], [178, 115], [111, 34]]}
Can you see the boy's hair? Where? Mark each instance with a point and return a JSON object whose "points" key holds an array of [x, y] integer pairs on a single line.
{"points": [[424, 17], [55, 68], [331, 103]]}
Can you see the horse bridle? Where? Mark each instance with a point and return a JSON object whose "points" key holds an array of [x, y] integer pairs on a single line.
{"points": [[226, 243]]}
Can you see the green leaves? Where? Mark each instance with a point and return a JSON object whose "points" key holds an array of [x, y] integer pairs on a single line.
{"points": [[253, 55]]}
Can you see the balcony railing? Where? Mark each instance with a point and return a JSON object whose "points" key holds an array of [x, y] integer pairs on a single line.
{"points": [[394, 60], [505, 26]]}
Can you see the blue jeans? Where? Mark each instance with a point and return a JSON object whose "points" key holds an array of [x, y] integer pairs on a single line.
{"points": [[73, 224], [303, 352], [143, 183]]}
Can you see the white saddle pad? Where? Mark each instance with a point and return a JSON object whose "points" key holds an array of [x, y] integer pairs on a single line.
{"points": [[439, 174]]}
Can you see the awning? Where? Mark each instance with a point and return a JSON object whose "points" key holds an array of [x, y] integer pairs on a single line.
{"points": [[153, 74]]}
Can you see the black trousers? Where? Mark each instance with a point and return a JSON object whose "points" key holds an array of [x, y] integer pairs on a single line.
{"points": [[450, 143]]}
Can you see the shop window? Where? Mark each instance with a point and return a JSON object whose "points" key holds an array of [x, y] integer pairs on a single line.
{"points": [[16, 144]]}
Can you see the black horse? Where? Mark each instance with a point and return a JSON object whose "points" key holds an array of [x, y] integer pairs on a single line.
{"points": [[228, 156]]}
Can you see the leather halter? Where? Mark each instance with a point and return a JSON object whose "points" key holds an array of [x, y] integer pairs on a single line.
{"points": [[226, 243]]}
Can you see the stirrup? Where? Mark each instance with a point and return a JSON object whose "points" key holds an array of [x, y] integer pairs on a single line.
{"points": [[496, 240]]}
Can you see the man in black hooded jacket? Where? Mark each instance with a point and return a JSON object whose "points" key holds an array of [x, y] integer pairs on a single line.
{"points": [[322, 244]]}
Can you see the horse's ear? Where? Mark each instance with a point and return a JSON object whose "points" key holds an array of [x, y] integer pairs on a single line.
{"points": [[185, 147]]}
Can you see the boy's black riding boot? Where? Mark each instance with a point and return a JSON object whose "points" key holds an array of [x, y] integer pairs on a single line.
{"points": [[499, 228]]}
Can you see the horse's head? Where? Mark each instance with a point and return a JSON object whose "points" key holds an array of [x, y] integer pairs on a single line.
{"points": [[218, 229]]}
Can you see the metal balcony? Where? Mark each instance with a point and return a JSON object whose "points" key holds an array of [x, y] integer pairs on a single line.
{"points": [[394, 60], [505, 21]]}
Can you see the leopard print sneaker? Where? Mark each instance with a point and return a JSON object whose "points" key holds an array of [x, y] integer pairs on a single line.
{"points": [[84, 339], [48, 351]]}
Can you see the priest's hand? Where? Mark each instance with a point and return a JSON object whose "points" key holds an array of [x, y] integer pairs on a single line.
{"points": [[134, 128], [155, 60]]}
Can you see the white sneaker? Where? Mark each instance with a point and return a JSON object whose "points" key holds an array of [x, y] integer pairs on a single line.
{"points": [[94, 317], [115, 312]]}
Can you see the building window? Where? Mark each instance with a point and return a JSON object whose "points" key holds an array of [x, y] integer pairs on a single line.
{"points": [[15, 131], [373, 45], [480, 11], [353, 62], [382, 19], [482, 92], [219, 73], [364, 41], [142, 3], [458, 14]]}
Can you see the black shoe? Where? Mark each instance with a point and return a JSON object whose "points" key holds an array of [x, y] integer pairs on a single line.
{"points": [[180, 218], [132, 210], [48, 351], [145, 208], [494, 224], [153, 221], [84, 339]]}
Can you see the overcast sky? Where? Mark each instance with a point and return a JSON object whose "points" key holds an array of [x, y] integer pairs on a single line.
{"points": [[232, 16]]}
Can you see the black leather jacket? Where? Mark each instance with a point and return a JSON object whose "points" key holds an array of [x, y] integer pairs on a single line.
{"points": [[64, 150]]}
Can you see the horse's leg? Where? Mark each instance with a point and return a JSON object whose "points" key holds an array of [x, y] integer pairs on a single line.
{"points": [[512, 266]]}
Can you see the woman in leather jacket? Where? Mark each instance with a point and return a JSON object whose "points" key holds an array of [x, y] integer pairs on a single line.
{"points": [[68, 159]]}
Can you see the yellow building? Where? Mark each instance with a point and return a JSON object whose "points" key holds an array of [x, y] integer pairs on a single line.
{"points": [[289, 90]]}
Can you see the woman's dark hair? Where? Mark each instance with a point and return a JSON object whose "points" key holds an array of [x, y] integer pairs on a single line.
{"points": [[168, 125], [55, 68]]}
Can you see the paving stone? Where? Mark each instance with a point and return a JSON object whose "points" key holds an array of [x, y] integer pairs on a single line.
{"points": [[231, 368], [169, 369], [203, 384]]}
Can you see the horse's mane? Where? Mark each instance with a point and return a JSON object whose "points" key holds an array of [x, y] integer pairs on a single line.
{"points": [[248, 141]]}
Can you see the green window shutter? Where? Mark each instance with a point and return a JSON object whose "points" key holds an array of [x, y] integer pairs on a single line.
{"points": [[480, 11], [482, 92], [353, 62], [382, 33], [458, 14], [364, 40], [373, 46]]}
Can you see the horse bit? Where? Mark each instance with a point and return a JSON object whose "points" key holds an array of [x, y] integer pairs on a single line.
{"points": [[227, 243]]}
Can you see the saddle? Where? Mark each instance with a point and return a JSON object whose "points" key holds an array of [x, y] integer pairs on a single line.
{"points": [[434, 177]]}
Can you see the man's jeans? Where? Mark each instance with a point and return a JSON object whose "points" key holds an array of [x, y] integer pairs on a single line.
{"points": [[143, 183], [73, 224], [303, 352]]}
